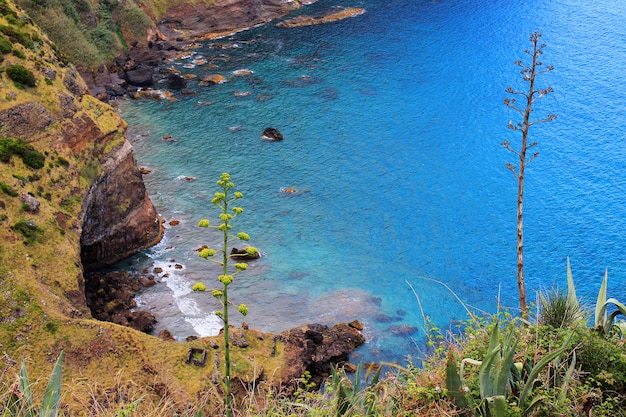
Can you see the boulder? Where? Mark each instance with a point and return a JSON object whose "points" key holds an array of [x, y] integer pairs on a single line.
{"points": [[314, 348], [31, 202], [243, 255], [139, 77], [176, 82], [212, 79], [271, 133]]}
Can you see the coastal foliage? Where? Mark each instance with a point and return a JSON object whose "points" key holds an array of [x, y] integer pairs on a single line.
{"points": [[228, 213], [20, 400], [29, 230], [90, 33], [30, 156], [20, 75], [529, 98]]}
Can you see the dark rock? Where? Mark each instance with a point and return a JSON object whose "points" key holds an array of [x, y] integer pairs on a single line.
{"points": [[355, 324], [140, 77], [304, 351], [25, 120], [238, 338], [166, 335], [176, 82], [110, 297], [72, 84], [119, 218], [243, 255], [271, 133], [142, 321]]}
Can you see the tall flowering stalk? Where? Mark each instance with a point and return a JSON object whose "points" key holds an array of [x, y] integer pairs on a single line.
{"points": [[222, 200]]}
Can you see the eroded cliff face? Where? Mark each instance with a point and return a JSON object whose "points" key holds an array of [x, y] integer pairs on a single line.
{"points": [[118, 216]]}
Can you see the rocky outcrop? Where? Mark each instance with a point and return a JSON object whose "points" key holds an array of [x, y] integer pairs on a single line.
{"points": [[271, 133], [326, 18], [110, 297], [189, 20], [315, 347], [118, 216]]}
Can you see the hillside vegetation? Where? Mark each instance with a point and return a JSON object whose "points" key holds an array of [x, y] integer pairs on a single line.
{"points": [[90, 33]]}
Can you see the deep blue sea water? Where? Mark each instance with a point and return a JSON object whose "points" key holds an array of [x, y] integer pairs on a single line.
{"points": [[392, 122]]}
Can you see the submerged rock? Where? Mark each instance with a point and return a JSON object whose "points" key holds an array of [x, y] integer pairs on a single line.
{"points": [[271, 133]]}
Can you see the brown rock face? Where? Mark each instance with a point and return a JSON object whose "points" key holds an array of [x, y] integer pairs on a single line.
{"points": [[187, 20], [118, 216], [315, 347]]}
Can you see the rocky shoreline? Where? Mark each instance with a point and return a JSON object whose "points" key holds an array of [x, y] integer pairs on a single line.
{"points": [[177, 33], [311, 347]]}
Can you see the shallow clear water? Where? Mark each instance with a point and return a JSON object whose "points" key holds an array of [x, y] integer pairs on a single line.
{"points": [[393, 122]]}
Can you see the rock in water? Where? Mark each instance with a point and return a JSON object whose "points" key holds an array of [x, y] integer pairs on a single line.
{"points": [[271, 133]]}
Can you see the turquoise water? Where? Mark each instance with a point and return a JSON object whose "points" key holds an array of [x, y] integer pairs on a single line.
{"points": [[393, 122]]}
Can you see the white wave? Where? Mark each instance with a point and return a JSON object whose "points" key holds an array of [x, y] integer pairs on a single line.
{"points": [[204, 323]]}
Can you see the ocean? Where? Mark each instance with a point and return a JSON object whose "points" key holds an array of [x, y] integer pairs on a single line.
{"points": [[392, 122]]}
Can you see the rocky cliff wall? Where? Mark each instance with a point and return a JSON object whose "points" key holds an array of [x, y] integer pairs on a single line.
{"points": [[118, 216]]}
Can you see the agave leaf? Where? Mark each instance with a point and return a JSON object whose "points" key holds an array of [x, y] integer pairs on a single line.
{"points": [[494, 336], [600, 311], [484, 374], [454, 383], [26, 392], [504, 372], [52, 395], [532, 376], [567, 379], [572, 300], [534, 403], [497, 405]]}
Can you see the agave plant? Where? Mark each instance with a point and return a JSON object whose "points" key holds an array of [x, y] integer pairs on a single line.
{"points": [[352, 396], [559, 310], [604, 322], [499, 377], [20, 402]]}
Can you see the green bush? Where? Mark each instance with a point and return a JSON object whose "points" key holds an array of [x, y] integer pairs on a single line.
{"points": [[31, 157], [5, 45], [135, 20], [18, 36], [5, 10], [31, 232], [21, 75], [19, 54], [8, 190]]}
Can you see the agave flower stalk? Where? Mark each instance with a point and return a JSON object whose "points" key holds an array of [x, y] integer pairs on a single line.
{"points": [[223, 199]]}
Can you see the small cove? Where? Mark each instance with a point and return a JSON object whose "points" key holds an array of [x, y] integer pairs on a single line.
{"points": [[392, 123]]}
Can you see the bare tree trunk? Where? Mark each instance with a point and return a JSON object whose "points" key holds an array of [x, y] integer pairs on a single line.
{"points": [[529, 73]]}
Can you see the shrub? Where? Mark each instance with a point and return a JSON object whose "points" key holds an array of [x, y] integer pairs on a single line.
{"points": [[5, 45], [135, 20], [8, 190], [19, 54], [18, 36], [5, 10], [557, 311], [31, 157], [31, 232], [21, 75]]}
